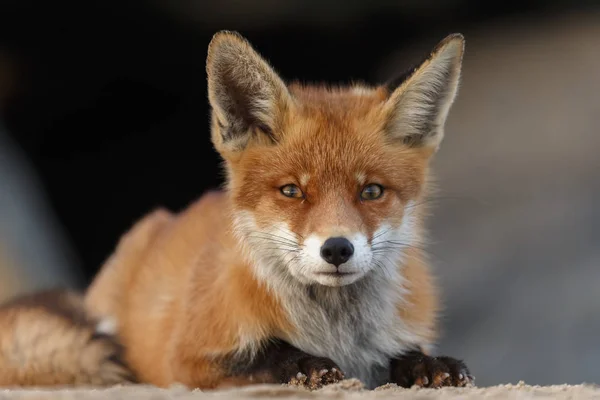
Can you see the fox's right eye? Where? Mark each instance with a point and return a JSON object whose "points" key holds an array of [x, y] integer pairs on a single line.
{"points": [[291, 191]]}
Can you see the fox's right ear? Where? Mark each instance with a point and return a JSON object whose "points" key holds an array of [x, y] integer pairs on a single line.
{"points": [[247, 96]]}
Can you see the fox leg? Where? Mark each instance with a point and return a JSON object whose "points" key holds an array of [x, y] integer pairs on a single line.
{"points": [[281, 362], [277, 362], [417, 368]]}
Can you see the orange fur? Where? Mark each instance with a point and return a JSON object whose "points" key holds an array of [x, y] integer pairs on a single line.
{"points": [[187, 297], [420, 307]]}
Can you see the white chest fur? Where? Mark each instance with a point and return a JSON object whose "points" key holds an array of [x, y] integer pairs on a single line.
{"points": [[356, 326]]}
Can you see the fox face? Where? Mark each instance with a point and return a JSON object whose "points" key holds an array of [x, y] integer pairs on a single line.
{"points": [[326, 182], [330, 200]]}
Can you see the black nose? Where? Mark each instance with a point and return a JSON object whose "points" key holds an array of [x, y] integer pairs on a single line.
{"points": [[337, 250]]}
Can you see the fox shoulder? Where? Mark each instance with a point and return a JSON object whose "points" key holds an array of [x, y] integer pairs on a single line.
{"points": [[48, 339]]}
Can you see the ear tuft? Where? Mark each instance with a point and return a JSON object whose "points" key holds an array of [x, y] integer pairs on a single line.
{"points": [[420, 102], [246, 95]]}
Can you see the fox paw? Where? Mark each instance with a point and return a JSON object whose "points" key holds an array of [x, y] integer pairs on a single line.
{"points": [[315, 372], [417, 369]]}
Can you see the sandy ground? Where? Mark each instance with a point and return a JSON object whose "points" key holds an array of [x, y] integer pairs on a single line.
{"points": [[349, 389]]}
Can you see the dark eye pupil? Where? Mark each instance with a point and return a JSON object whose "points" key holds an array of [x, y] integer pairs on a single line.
{"points": [[372, 192], [291, 191]]}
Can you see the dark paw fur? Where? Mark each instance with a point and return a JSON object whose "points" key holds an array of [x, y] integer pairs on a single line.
{"points": [[418, 369], [280, 362], [312, 372]]}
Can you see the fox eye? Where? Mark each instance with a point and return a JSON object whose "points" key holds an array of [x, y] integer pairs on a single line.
{"points": [[291, 191], [372, 191]]}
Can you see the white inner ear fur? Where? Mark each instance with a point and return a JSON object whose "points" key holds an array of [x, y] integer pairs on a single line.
{"points": [[419, 107]]}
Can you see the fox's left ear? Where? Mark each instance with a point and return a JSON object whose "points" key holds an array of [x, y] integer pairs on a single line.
{"points": [[417, 108]]}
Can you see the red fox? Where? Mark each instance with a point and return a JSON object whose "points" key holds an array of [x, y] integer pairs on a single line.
{"points": [[306, 268]]}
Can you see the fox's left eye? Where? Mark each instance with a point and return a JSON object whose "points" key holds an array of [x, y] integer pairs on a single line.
{"points": [[291, 191], [372, 191]]}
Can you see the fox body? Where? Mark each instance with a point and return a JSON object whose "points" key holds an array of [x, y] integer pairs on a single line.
{"points": [[307, 267]]}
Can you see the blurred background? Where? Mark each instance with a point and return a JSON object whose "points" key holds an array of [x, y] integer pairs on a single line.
{"points": [[103, 116]]}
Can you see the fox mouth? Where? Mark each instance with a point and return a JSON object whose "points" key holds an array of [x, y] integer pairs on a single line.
{"points": [[336, 273], [336, 278]]}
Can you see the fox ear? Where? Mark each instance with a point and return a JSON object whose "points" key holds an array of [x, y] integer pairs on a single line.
{"points": [[417, 107], [247, 97]]}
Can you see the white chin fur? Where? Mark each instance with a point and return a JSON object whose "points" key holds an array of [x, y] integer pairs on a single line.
{"points": [[335, 281]]}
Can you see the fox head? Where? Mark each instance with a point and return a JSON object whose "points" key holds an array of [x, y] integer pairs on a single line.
{"points": [[326, 182]]}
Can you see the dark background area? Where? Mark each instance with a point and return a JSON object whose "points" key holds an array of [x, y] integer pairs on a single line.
{"points": [[104, 116]]}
